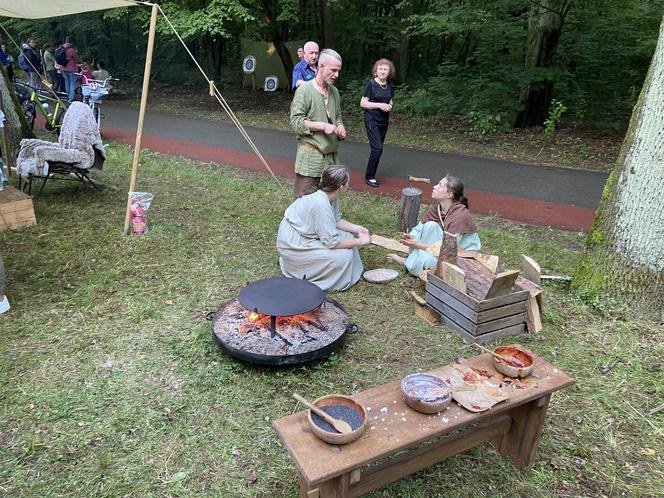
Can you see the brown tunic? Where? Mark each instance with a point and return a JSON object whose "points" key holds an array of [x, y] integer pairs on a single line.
{"points": [[456, 220]]}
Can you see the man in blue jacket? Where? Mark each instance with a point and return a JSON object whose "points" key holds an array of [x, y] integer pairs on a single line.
{"points": [[306, 69]]}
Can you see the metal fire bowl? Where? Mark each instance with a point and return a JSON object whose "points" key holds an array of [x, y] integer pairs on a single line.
{"points": [[281, 296], [284, 360]]}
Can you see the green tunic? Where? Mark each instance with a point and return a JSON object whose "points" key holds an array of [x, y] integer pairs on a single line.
{"points": [[309, 104]]}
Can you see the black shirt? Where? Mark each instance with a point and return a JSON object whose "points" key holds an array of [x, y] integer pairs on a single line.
{"points": [[376, 93]]}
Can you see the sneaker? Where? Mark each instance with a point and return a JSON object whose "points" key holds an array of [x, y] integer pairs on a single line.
{"points": [[4, 305], [372, 182]]}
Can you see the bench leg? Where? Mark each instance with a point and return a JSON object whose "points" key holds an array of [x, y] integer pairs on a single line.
{"points": [[339, 487], [521, 441]]}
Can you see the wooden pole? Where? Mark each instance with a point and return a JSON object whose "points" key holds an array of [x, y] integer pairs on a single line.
{"points": [[141, 114]]}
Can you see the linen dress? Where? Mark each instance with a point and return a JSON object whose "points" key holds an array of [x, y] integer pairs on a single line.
{"points": [[307, 234]]}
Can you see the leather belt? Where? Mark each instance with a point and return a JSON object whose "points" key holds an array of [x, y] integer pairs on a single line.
{"points": [[307, 144]]}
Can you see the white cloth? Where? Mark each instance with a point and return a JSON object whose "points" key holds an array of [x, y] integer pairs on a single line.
{"points": [[305, 242], [79, 139]]}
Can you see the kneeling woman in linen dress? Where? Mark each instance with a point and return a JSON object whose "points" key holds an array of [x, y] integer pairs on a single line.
{"points": [[315, 243], [448, 213]]}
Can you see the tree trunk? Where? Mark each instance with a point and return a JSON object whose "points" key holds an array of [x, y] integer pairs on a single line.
{"points": [[545, 24], [327, 24], [624, 253], [400, 58], [14, 117]]}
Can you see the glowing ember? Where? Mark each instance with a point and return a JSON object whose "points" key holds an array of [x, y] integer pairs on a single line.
{"points": [[253, 316]]}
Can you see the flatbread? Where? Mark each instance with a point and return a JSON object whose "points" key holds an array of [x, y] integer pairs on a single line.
{"points": [[380, 275], [482, 398]]}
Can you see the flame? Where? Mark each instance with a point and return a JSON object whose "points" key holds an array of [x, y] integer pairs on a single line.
{"points": [[253, 316]]}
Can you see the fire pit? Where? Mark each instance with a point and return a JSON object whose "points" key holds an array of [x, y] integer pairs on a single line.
{"points": [[280, 321]]}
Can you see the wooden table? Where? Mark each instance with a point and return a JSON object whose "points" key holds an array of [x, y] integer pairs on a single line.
{"points": [[514, 427]]}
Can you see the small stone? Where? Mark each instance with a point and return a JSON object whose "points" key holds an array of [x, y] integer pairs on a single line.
{"points": [[403, 419]]}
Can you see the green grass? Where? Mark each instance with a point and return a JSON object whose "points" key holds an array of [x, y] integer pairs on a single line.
{"points": [[106, 389]]}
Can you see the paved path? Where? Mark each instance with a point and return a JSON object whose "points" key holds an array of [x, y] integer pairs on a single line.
{"points": [[541, 195]]}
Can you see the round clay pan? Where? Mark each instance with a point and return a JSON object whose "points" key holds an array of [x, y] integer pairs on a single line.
{"points": [[380, 275], [425, 393]]}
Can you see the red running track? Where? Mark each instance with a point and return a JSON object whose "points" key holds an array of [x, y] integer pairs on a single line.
{"points": [[520, 209]]}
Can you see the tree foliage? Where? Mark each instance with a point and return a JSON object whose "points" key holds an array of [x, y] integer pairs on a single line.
{"points": [[455, 57]]}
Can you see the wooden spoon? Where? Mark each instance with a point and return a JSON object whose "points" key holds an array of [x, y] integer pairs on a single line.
{"points": [[340, 425], [509, 361]]}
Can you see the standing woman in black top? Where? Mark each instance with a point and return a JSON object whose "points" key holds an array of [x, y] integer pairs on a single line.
{"points": [[377, 104]]}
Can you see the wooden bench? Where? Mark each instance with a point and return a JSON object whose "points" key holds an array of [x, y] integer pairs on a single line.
{"points": [[514, 427]]}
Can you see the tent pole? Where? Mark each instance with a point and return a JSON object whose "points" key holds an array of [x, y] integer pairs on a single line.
{"points": [[141, 114]]}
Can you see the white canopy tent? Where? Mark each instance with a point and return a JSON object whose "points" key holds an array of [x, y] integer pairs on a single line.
{"points": [[37, 9]]}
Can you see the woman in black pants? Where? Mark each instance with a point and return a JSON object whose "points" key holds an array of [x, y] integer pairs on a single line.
{"points": [[377, 104]]}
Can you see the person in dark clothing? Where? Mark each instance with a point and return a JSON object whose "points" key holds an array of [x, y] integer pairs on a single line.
{"points": [[377, 104], [7, 60], [34, 65]]}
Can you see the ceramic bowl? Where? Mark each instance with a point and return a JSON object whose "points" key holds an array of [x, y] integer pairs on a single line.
{"points": [[331, 436], [416, 389], [519, 355]]}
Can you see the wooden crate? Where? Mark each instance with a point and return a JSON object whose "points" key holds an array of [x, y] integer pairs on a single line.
{"points": [[15, 209], [477, 321]]}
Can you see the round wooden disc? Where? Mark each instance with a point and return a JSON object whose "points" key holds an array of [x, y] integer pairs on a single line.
{"points": [[380, 275]]}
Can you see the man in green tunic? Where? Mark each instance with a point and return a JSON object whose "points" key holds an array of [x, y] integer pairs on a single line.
{"points": [[315, 116]]}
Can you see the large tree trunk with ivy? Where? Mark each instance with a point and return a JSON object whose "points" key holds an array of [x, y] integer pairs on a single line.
{"points": [[545, 22], [624, 253]]}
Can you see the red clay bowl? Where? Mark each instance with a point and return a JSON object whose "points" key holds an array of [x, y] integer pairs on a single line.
{"points": [[521, 357]]}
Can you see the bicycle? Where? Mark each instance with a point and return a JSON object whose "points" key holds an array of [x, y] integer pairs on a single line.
{"points": [[93, 93], [35, 100]]}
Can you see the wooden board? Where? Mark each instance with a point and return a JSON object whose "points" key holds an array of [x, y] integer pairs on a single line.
{"points": [[427, 313], [16, 209], [391, 244], [491, 336]]}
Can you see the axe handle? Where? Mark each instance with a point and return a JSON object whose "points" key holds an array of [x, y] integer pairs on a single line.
{"points": [[416, 179]]}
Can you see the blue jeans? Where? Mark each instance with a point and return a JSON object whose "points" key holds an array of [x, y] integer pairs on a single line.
{"points": [[71, 79]]}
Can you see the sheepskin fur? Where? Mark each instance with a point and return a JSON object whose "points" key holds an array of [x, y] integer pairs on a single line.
{"points": [[79, 139]]}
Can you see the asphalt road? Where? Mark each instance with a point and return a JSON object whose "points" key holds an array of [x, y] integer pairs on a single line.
{"points": [[505, 183]]}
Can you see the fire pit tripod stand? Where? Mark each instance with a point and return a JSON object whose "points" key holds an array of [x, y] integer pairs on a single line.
{"points": [[280, 321]]}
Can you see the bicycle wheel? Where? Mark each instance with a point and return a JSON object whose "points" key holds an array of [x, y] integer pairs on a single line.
{"points": [[57, 121], [30, 113], [96, 112]]}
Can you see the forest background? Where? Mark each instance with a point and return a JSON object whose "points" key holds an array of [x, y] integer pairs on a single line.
{"points": [[495, 64]]}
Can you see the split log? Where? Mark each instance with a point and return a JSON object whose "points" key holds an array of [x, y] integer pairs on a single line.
{"points": [[502, 284], [478, 277], [531, 270], [447, 254], [488, 260], [411, 198], [454, 276]]}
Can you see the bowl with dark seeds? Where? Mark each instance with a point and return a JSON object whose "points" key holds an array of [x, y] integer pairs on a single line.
{"points": [[342, 408]]}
